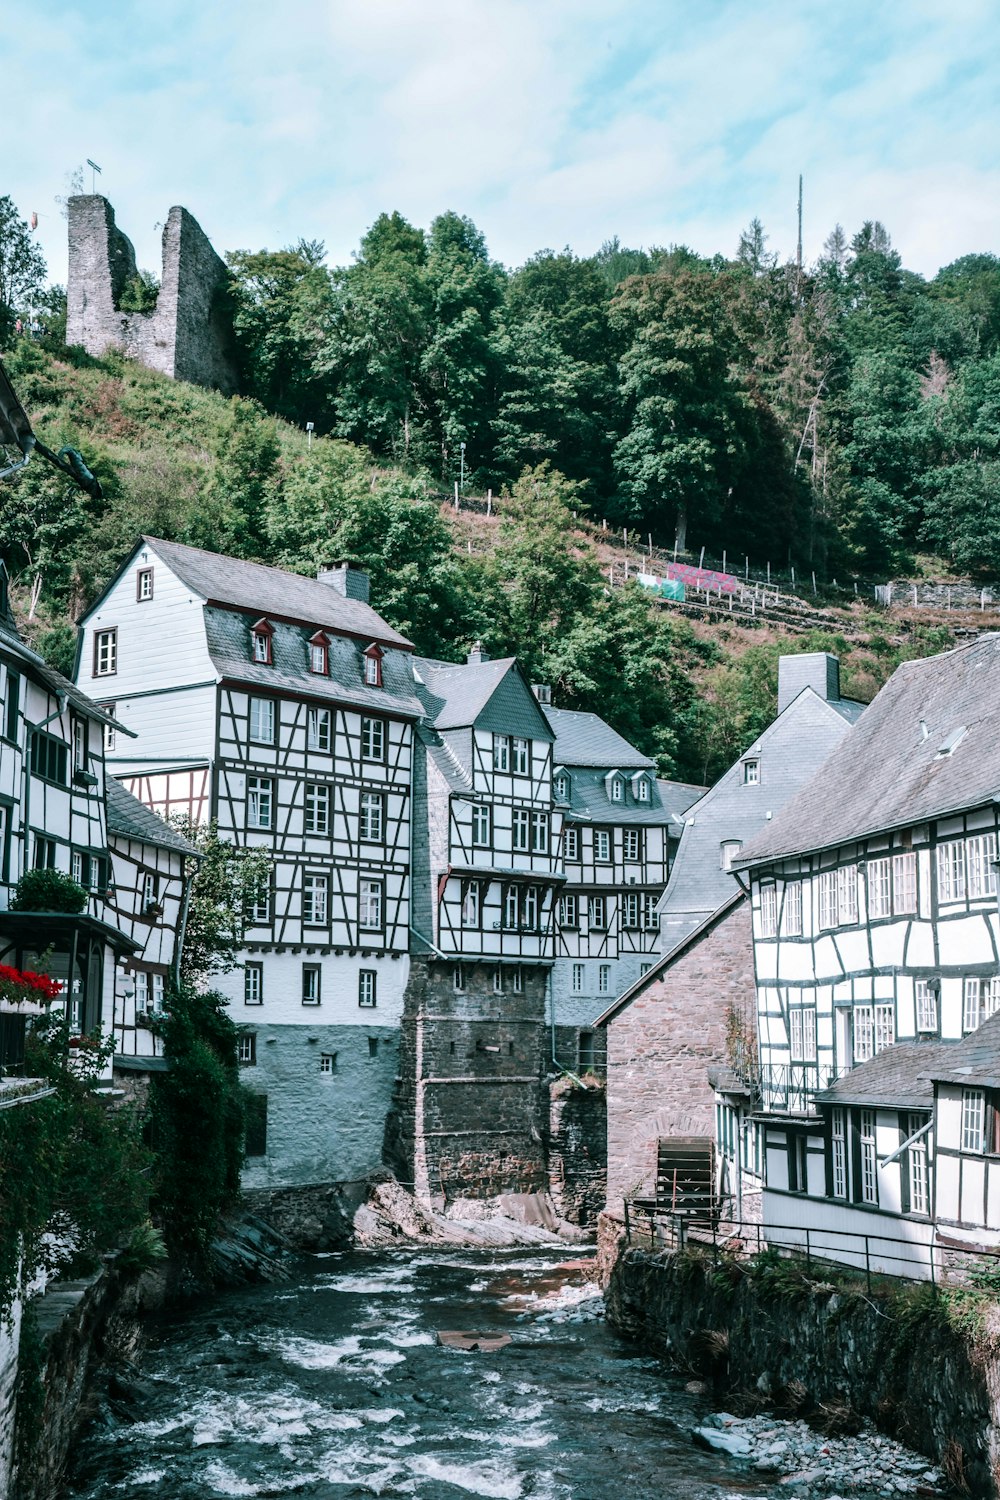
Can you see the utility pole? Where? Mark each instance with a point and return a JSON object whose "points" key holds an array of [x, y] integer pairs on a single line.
{"points": [[798, 253]]}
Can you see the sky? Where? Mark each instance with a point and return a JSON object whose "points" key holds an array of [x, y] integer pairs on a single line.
{"points": [[548, 122]]}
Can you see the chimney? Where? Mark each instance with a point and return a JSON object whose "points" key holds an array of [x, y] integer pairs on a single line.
{"points": [[816, 669], [347, 580], [477, 655], [542, 692]]}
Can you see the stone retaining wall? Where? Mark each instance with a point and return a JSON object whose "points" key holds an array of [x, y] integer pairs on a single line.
{"points": [[578, 1152]]}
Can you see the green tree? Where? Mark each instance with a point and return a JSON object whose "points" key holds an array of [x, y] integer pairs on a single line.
{"points": [[22, 270], [283, 312], [225, 883], [234, 515], [962, 489]]}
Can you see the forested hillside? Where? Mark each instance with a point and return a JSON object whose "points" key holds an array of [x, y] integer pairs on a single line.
{"points": [[839, 417]]}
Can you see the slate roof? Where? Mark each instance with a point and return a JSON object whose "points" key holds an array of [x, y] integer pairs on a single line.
{"points": [[889, 773], [789, 752], [699, 930], [586, 740], [589, 801], [456, 777], [458, 695], [53, 680], [130, 818], [975, 1060], [898, 1076], [273, 591], [228, 638]]}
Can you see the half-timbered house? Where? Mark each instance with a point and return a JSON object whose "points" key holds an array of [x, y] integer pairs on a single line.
{"points": [[874, 899], [282, 707]]}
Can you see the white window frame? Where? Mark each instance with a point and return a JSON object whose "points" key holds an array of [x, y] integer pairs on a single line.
{"points": [[319, 658], [802, 1033], [520, 830], [729, 849], [650, 915], [315, 899], [373, 739], [539, 833], [328, 1062], [571, 844], [312, 984], [974, 1121], [371, 905], [579, 974], [751, 773], [260, 802], [616, 790], [318, 726], [981, 851], [632, 845], [481, 825], [885, 1024], [517, 979], [521, 756], [827, 904], [262, 648], [630, 911], [847, 896], [604, 979], [262, 721], [511, 909], [597, 914], [879, 872], [253, 984], [501, 752], [768, 910], [371, 817], [868, 1157], [367, 988], [317, 808], [838, 1151], [602, 845], [246, 1049], [641, 789], [792, 908], [863, 1032], [925, 1006], [904, 883], [918, 1173], [530, 908], [471, 904], [951, 870], [569, 910], [560, 788], [106, 652], [458, 979]]}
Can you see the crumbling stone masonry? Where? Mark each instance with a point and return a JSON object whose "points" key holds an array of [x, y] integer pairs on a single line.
{"points": [[188, 335]]}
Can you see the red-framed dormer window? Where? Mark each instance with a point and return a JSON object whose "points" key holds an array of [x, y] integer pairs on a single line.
{"points": [[373, 665], [260, 637], [319, 654]]}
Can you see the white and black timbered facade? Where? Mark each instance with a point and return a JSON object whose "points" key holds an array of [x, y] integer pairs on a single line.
{"points": [[877, 950], [282, 707]]}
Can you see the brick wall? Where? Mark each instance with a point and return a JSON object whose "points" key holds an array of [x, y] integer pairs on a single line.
{"points": [[661, 1046]]}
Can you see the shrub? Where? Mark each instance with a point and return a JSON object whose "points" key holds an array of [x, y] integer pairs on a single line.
{"points": [[48, 890]]}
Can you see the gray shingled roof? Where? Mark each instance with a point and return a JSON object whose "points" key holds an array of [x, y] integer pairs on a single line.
{"points": [[975, 1060], [589, 802], [457, 778], [228, 638], [678, 796], [53, 680], [131, 819], [889, 772], [272, 591], [586, 740], [789, 752], [456, 696], [896, 1076]]}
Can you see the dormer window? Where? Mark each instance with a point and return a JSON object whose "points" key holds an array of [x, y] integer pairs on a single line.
{"points": [[615, 788], [319, 654], [640, 788], [373, 666], [751, 772], [260, 635], [560, 786]]}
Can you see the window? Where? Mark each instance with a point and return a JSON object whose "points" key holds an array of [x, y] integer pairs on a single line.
{"points": [[864, 1033], [521, 828], [916, 1166], [633, 843], [142, 1001], [143, 584], [602, 843], [578, 974], [904, 883], [751, 772], [847, 895], [879, 888], [373, 739], [501, 752], [148, 890], [318, 729], [315, 890], [768, 910], [371, 899], [372, 816], [260, 636], [604, 979], [798, 1162], [109, 730], [517, 981], [560, 788], [569, 911], [793, 908], [511, 907], [158, 988], [951, 870], [729, 849], [76, 869], [925, 1003], [373, 1046], [105, 653], [885, 1026], [971, 1005], [598, 913], [973, 1120], [45, 853], [317, 819], [253, 984], [540, 833], [458, 978], [262, 720], [259, 801], [79, 744], [981, 851], [260, 910], [529, 907], [246, 1049], [838, 1153], [328, 1062], [255, 1135], [828, 899], [522, 757], [12, 705], [615, 788], [49, 757], [867, 1164], [481, 826], [630, 909], [319, 654], [586, 1055], [373, 667], [311, 984], [571, 843], [641, 789], [650, 916], [471, 905], [367, 988], [498, 980], [802, 1033]]}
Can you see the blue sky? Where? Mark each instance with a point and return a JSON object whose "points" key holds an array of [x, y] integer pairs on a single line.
{"points": [[549, 122]]}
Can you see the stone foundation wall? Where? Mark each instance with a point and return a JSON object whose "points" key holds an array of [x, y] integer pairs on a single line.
{"points": [[803, 1348], [578, 1152], [316, 1217]]}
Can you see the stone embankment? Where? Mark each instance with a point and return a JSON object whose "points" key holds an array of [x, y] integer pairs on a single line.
{"points": [[391, 1216]]}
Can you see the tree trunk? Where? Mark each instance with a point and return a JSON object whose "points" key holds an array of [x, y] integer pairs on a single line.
{"points": [[680, 535]]}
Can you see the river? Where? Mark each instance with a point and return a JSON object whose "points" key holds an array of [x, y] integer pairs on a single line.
{"points": [[335, 1385]]}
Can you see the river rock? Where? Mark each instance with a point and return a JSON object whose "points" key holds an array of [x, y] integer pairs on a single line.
{"points": [[721, 1441]]}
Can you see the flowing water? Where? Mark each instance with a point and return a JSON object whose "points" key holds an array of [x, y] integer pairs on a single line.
{"points": [[335, 1385]]}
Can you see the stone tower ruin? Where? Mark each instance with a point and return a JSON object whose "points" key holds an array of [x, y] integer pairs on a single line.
{"points": [[188, 335]]}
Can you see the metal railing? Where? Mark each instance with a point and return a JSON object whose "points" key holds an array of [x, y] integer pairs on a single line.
{"points": [[935, 1259]]}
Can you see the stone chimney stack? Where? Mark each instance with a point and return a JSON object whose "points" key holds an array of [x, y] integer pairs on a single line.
{"points": [[349, 581], [815, 669], [477, 655]]}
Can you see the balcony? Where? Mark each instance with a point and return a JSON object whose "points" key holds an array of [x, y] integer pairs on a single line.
{"points": [[789, 1088]]}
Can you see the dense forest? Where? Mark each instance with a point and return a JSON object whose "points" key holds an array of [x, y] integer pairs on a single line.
{"points": [[842, 417]]}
